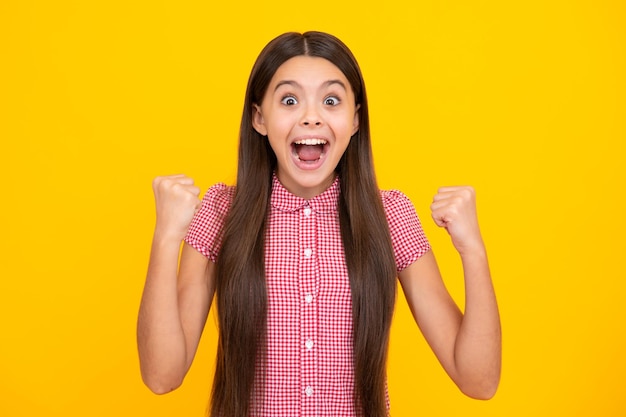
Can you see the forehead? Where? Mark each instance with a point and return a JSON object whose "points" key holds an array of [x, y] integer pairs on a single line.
{"points": [[308, 71]]}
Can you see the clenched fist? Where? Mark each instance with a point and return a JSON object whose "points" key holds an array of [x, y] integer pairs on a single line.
{"points": [[176, 199], [454, 208]]}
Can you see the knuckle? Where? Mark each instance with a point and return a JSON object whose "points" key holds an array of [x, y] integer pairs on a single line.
{"points": [[466, 193]]}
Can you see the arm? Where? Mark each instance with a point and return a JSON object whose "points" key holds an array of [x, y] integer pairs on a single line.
{"points": [[467, 345], [176, 300]]}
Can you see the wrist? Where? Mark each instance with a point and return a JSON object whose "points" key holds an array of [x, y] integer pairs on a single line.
{"points": [[167, 239], [474, 250]]}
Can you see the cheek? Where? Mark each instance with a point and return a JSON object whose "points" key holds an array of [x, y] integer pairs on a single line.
{"points": [[278, 135], [280, 125], [344, 125]]}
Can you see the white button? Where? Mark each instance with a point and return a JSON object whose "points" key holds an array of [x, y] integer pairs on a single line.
{"points": [[308, 298], [308, 252], [307, 211], [308, 391], [309, 344]]}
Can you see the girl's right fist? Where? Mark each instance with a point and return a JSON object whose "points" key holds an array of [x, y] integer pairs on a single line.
{"points": [[176, 199]]}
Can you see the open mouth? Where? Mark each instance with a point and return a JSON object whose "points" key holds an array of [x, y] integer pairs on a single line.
{"points": [[309, 150]]}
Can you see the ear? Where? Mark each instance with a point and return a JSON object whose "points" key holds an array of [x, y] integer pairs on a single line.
{"points": [[257, 120], [355, 123]]}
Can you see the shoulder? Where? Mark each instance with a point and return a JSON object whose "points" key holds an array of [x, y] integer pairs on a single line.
{"points": [[219, 197], [390, 197], [204, 233], [407, 236], [395, 203], [215, 207]]}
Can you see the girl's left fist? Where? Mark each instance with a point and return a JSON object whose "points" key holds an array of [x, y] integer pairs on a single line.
{"points": [[454, 208]]}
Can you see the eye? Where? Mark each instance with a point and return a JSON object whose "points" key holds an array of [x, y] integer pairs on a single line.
{"points": [[331, 101], [289, 100]]}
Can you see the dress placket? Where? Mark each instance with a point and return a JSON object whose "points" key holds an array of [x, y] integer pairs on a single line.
{"points": [[308, 278]]}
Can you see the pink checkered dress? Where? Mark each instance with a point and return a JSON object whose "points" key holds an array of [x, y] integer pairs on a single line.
{"points": [[309, 365]]}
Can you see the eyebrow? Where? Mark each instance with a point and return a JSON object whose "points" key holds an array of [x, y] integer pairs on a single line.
{"points": [[296, 84]]}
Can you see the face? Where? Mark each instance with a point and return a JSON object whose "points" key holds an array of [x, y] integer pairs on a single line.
{"points": [[308, 115]]}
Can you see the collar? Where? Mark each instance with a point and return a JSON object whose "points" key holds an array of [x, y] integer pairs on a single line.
{"points": [[326, 202]]}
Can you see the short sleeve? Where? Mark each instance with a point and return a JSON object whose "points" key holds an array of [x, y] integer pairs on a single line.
{"points": [[407, 235], [205, 231]]}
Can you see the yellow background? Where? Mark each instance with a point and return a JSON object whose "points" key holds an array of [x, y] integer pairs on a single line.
{"points": [[524, 100]]}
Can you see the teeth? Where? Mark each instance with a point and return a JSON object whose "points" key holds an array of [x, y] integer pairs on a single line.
{"points": [[310, 142]]}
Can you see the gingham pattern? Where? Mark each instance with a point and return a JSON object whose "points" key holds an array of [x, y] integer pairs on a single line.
{"points": [[308, 369]]}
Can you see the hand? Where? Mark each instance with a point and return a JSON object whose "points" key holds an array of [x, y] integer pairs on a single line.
{"points": [[176, 199], [454, 208]]}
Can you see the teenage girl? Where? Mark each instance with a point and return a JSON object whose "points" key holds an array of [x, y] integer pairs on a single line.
{"points": [[303, 256]]}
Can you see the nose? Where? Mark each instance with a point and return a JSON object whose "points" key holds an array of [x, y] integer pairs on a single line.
{"points": [[311, 117]]}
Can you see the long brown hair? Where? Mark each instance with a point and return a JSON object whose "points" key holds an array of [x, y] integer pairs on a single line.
{"points": [[240, 274]]}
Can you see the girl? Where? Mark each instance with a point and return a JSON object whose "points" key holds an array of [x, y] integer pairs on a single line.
{"points": [[303, 256]]}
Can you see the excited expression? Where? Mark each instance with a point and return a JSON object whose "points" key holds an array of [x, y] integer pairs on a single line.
{"points": [[308, 115]]}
